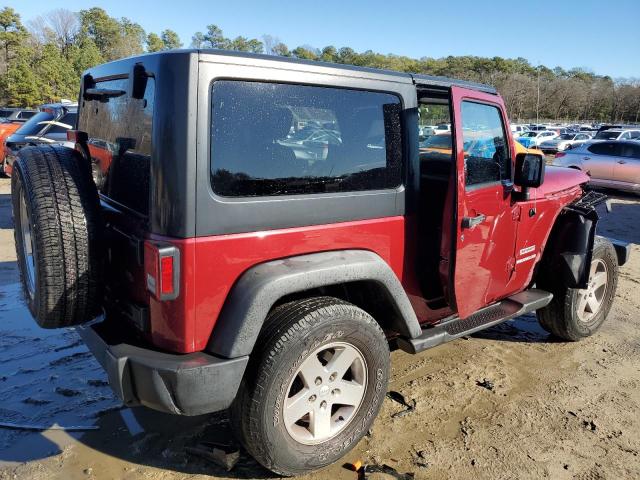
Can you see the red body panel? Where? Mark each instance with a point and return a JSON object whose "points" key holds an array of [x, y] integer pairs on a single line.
{"points": [[211, 265], [484, 256]]}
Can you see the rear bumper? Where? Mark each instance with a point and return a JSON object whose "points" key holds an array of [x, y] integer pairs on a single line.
{"points": [[190, 384]]}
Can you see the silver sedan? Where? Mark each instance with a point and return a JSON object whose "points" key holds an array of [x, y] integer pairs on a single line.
{"points": [[564, 142], [611, 164]]}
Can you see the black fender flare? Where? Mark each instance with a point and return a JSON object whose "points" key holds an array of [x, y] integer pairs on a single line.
{"points": [[260, 287], [567, 255]]}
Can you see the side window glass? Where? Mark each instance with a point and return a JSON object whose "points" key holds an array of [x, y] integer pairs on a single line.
{"points": [[631, 151], [486, 152], [280, 139], [625, 136], [605, 148]]}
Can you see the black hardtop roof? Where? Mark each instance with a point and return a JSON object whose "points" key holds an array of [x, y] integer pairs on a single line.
{"points": [[418, 79]]}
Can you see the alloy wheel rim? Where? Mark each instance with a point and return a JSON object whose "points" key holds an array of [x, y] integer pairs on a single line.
{"points": [[27, 245], [325, 393], [591, 299]]}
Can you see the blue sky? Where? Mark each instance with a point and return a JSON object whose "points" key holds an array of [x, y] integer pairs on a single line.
{"points": [[603, 37]]}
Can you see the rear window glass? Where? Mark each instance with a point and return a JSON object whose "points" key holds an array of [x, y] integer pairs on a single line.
{"points": [[34, 124], [607, 135], [119, 130], [280, 139], [5, 113]]}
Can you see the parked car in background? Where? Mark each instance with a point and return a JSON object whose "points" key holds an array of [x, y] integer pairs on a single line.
{"points": [[10, 120], [563, 142], [611, 164], [49, 125], [518, 130], [443, 128], [618, 134], [16, 114], [534, 138]]}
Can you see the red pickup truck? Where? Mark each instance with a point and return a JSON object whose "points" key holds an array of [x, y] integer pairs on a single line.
{"points": [[216, 258]]}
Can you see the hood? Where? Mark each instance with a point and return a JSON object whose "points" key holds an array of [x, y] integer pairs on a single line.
{"points": [[557, 179]]}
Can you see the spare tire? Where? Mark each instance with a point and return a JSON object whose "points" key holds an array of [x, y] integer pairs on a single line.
{"points": [[57, 231]]}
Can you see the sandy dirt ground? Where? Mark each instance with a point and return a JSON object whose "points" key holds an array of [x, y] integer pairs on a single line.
{"points": [[555, 410]]}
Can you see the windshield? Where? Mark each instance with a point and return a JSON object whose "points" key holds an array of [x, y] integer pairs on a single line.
{"points": [[529, 134], [607, 135], [567, 136], [33, 126]]}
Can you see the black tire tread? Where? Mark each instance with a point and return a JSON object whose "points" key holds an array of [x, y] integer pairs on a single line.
{"points": [[66, 224]]}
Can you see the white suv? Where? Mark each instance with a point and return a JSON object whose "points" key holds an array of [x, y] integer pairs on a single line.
{"points": [[618, 134]]}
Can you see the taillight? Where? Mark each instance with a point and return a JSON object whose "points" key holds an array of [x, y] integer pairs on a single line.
{"points": [[162, 266], [560, 154]]}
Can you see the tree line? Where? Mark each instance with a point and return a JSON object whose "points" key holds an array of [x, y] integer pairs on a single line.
{"points": [[43, 60]]}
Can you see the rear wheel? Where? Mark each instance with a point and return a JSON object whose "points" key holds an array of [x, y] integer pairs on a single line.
{"points": [[57, 235], [314, 385], [577, 313]]}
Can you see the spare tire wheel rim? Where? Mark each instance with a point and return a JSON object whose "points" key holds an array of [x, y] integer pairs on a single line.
{"points": [[325, 393], [591, 299], [27, 246]]}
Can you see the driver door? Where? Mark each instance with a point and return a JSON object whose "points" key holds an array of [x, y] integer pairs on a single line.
{"points": [[486, 217]]}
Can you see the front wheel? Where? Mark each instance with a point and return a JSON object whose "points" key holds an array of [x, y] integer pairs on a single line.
{"points": [[577, 313], [316, 381]]}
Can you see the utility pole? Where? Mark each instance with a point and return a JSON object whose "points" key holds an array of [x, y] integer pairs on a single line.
{"points": [[538, 99]]}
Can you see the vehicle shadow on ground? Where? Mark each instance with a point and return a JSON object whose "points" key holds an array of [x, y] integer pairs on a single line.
{"points": [[146, 437]]}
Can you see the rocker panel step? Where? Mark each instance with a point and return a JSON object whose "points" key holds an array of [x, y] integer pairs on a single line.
{"points": [[511, 307]]}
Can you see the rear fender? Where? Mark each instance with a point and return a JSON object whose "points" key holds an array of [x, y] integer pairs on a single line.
{"points": [[261, 287]]}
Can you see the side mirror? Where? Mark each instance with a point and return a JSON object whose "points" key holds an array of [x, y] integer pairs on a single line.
{"points": [[529, 172]]}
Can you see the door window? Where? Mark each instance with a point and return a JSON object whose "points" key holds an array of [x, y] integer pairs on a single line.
{"points": [[486, 151], [632, 151], [605, 148]]}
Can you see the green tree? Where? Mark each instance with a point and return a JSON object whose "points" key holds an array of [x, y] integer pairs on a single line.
{"points": [[198, 41], [84, 54], [170, 39], [104, 30], [215, 39], [56, 76], [305, 53], [20, 84], [281, 49], [154, 43], [12, 35]]}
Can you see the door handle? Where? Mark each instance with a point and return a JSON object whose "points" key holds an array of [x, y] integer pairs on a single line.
{"points": [[622, 161], [470, 222], [586, 158]]}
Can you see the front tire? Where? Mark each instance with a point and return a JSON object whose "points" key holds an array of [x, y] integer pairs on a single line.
{"points": [[576, 313], [314, 385]]}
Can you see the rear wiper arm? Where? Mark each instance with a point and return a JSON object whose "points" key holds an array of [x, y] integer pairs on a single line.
{"points": [[103, 92]]}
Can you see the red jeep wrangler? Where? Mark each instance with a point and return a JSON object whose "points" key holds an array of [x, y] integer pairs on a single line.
{"points": [[255, 232]]}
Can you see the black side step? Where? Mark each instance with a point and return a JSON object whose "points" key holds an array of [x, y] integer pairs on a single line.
{"points": [[506, 309]]}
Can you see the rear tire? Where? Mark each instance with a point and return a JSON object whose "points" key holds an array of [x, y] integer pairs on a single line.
{"points": [[575, 313], [292, 360], [57, 232]]}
